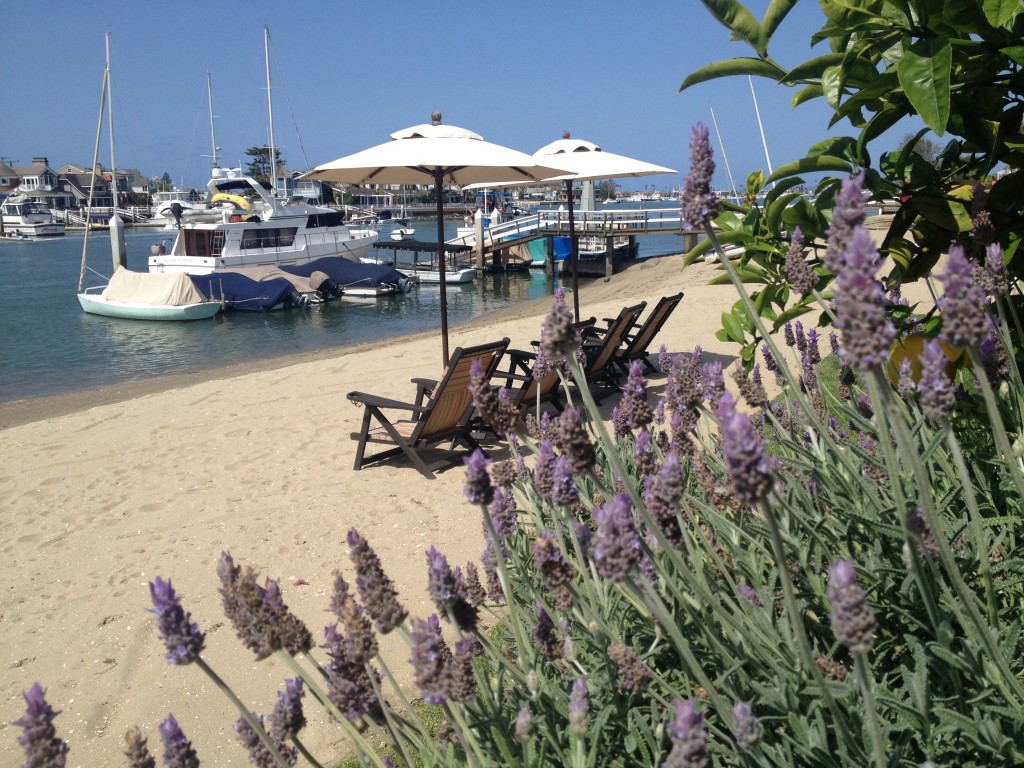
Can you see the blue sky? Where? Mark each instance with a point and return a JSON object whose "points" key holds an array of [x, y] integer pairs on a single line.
{"points": [[346, 74]]}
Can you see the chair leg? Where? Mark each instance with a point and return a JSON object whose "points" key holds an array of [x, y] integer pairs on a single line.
{"points": [[364, 431]]}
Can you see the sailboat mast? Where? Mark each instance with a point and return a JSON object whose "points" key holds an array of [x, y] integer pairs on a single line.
{"points": [[757, 111], [732, 181], [110, 126], [92, 185], [270, 111], [213, 134]]}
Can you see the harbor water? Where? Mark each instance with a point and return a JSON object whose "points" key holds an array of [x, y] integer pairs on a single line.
{"points": [[49, 346]]}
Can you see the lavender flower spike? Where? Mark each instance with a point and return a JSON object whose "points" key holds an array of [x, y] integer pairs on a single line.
{"points": [[478, 488], [178, 752], [524, 725], [287, 719], [430, 659], [935, 391], [616, 546], [182, 637], [853, 620], [746, 728], [860, 308], [137, 750], [376, 590], [964, 322], [558, 338], [798, 271], [698, 203], [39, 736], [847, 215], [745, 460], [579, 708], [689, 739]]}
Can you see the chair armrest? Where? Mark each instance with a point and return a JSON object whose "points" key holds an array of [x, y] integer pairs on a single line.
{"points": [[362, 398]]}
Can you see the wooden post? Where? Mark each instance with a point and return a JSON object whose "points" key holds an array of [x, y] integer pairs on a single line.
{"points": [[609, 256], [689, 241], [478, 229], [549, 261]]}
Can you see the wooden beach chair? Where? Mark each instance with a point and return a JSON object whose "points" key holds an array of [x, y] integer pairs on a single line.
{"points": [[602, 345], [440, 412], [638, 340]]}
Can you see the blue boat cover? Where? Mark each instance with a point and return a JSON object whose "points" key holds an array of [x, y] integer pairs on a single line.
{"points": [[241, 292], [348, 273]]}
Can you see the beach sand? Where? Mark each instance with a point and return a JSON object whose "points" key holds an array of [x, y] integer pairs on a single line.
{"points": [[101, 492]]}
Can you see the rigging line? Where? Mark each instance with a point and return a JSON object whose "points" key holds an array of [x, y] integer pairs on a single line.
{"points": [[192, 141], [291, 111], [724, 156]]}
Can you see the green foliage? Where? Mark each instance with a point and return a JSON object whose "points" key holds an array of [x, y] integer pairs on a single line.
{"points": [[262, 164]]}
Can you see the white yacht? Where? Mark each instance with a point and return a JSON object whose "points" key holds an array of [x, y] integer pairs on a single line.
{"points": [[25, 218], [258, 230]]}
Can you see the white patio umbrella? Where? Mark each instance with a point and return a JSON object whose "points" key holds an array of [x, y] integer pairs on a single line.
{"points": [[587, 162], [447, 155]]}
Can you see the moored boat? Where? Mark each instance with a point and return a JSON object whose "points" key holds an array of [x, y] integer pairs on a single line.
{"points": [[28, 218], [146, 296]]}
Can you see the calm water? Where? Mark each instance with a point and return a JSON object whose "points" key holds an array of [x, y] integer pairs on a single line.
{"points": [[49, 346]]}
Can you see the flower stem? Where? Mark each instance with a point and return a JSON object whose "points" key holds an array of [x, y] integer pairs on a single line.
{"points": [[860, 663]]}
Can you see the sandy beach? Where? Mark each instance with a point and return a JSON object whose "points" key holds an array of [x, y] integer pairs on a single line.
{"points": [[101, 492]]}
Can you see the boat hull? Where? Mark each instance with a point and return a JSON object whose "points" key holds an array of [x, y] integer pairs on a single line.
{"points": [[95, 304]]}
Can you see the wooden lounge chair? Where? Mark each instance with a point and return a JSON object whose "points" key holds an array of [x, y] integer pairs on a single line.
{"points": [[440, 412], [517, 375], [639, 339], [602, 345]]}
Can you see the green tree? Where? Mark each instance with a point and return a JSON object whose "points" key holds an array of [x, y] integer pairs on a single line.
{"points": [[957, 67], [606, 189], [261, 164]]}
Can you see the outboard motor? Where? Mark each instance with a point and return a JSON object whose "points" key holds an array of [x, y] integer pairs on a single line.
{"points": [[176, 211], [325, 287]]}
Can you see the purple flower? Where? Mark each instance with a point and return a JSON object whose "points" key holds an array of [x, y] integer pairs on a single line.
{"points": [[39, 736], [860, 308], [461, 680], [376, 590], [544, 634], [182, 638], [698, 203], [964, 321], [635, 410], [178, 752], [798, 271], [287, 719], [259, 755], [995, 268], [643, 451], [558, 337], [663, 493], [745, 461], [714, 382], [478, 487], [544, 469], [750, 594], [631, 669], [448, 594], [853, 620], [294, 636], [847, 215], [563, 484], [745, 727], [524, 725], [572, 441], [556, 570], [489, 561], [361, 640], [430, 657], [493, 404], [470, 584], [579, 708], [935, 392], [616, 546], [137, 750], [689, 739], [503, 512], [788, 335], [349, 685], [751, 387]]}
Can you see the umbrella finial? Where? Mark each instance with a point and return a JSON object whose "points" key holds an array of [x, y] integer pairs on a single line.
{"points": [[565, 134], [435, 118]]}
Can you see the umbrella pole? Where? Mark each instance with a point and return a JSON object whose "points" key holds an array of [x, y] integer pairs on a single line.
{"points": [[573, 252], [439, 192]]}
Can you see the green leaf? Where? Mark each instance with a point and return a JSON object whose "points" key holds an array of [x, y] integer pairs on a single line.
{"points": [[924, 73], [811, 165], [998, 12], [755, 182], [733, 327], [948, 213], [740, 21], [812, 91], [1015, 52], [832, 85], [730, 68], [777, 11]]}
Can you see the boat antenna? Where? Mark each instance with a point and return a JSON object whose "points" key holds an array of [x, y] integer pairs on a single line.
{"points": [[764, 142], [270, 110], [213, 135], [728, 170], [92, 185]]}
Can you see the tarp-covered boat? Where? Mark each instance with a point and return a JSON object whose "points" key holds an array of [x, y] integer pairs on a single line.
{"points": [[355, 279], [148, 296], [240, 292]]}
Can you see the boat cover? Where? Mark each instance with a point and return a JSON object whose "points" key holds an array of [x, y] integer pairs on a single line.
{"points": [[157, 288], [349, 273], [244, 293]]}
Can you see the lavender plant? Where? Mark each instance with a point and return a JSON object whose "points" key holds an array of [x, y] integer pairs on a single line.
{"points": [[829, 577]]}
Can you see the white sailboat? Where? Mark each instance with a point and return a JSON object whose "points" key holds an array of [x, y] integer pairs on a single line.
{"points": [[134, 295]]}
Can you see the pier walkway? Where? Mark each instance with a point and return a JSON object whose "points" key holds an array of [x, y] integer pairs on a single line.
{"points": [[493, 243]]}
